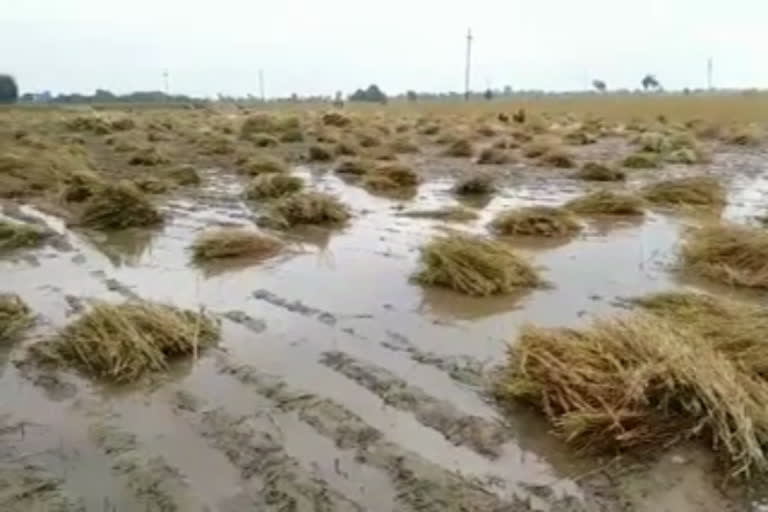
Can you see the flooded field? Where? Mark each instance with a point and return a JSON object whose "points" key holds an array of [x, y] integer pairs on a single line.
{"points": [[338, 382]]}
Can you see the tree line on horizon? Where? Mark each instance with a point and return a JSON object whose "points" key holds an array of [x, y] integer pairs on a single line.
{"points": [[9, 93]]}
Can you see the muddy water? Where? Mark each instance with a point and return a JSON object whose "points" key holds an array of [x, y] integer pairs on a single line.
{"points": [[339, 384]]}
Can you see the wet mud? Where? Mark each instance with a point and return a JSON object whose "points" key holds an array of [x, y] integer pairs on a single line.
{"points": [[483, 436], [339, 384]]}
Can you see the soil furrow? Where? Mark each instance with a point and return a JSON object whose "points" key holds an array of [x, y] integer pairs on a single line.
{"points": [[420, 484], [157, 485], [253, 445], [484, 436]]}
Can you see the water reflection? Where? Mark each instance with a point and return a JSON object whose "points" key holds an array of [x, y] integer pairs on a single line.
{"points": [[450, 305], [125, 247]]}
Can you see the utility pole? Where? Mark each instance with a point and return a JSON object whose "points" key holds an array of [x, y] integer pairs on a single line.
{"points": [[165, 81], [709, 73], [468, 63], [261, 85]]}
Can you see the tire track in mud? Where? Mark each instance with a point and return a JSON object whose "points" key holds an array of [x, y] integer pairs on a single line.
{"points": [[486, 437], [274, 480], [420, 485], [158, 486]]}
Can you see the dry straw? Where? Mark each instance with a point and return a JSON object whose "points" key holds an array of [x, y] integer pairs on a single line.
{"points": [[688, 366]]}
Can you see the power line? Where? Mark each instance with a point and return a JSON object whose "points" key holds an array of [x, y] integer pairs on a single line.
{"points": [[165, 81], [709, 73], [261, 85], [467, 62]]}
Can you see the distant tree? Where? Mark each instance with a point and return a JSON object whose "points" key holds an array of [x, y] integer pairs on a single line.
{"points": [[411, 95], [650, 82], [102, 95], [599, 85], [372, 94], [507, 90], [27, 97], [488, 94], [9, 91]]}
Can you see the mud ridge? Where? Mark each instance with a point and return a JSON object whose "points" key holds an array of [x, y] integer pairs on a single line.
{"points": [[420, 484], [295, 307], [156, 485], [255, 325], [27, 486], [484, 436], [253, 445], [461, 368]]}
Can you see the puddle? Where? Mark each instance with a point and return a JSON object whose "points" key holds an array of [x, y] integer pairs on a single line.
{"points": [[340, 384]]}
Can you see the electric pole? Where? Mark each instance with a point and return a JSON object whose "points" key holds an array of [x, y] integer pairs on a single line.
{"points": [[709, 73], [261, 85], [165, 81], [468, 63]]}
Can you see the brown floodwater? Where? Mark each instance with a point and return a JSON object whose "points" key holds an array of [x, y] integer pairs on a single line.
{"points": [[337, 378]]}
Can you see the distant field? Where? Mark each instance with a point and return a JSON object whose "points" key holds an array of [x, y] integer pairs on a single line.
{"points": [[722, 108], [726, 108]]}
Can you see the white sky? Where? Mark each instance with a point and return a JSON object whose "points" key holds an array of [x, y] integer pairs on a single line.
{"points": [[317, 47]]}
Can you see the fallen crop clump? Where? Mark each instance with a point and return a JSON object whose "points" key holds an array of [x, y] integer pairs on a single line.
{"points": [[119, 206], [403, 145], [261, 165], [474, 265], [306, 208], [151, 185], [353, 167], [148, 157], [544, 221], [606, 202], [185, 175], [80, 186], [335, 119], [257, 124], [15, 316], [579, 137], [594, 171], [234, 243], [391, 176], [557, 157], [264, 140], [493, 156], [692, 191], [748, 135], [272, 185], [122, 342], [686, 366], [92, 124], [641, 160], [475, 184], [460, 148], [729, 253], [319, 154], [537, 148], [16, 235]]}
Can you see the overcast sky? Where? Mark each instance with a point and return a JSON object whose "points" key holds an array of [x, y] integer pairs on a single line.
{"points": [[316, 47]]}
